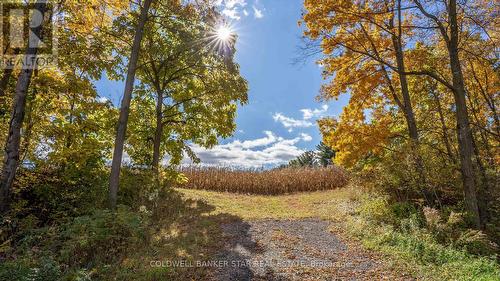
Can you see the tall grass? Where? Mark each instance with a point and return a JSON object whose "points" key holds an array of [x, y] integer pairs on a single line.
{"points": [[267, 182], [413, 240]]}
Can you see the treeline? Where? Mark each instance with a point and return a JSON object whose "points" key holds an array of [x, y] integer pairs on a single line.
{"points": [[424, 83], [322, 157], [181, 85]]}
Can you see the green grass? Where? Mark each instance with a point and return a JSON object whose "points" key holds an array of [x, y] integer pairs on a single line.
{"points": [[422, 256], [331, 205]]}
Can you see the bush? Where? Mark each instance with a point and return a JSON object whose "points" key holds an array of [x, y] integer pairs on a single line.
{"points": [[77, 248], [42, 269], [376, 209], [135, 187], [50, 195], [101, 237], [404, 210], [411, 242], [476, 242]]}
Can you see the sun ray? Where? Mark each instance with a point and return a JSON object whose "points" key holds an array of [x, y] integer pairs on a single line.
{"points": [[222, 37]]}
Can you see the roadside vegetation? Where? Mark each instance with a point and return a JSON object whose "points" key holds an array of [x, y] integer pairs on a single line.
{"points": [[77, 238]]}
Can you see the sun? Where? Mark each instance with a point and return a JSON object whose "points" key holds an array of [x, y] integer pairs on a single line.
{"points": [[221, 37], [224, 33]]}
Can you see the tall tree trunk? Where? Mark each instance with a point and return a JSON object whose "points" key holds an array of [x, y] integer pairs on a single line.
{"points": [[464, 132], [407, 106], [158, 134], [408, 109], [11, 161], [411, 124], [125, 107], [28, 123]]}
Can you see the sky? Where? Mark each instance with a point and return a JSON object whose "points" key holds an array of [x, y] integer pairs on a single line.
{"points": [[279, 122]]}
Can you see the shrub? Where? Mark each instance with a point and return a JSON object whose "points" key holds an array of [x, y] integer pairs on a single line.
{"points": [[476, 242], [77, 249], [376, 209], [433, 224], [42, 269], [433, 219], [404, 210], [101, 237], [415, 245], [49, 195], [135, 186]]}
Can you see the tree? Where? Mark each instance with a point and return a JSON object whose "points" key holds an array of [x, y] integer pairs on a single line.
{"points": [[366, 35], [354, 136], [325, 154], [450, 33], [78, 31], [306, 159], [369, 36], [11, 160], [189, 90], [66, 128], [121, 131]]}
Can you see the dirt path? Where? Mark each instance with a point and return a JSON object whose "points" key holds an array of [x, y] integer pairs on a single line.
{"points": [[294, 250]]}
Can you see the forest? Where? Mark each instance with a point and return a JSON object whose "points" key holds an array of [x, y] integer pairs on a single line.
{"points": [[404, 184]]}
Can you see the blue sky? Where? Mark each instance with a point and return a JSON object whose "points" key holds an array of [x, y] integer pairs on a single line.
{"points": [[279, 122]]}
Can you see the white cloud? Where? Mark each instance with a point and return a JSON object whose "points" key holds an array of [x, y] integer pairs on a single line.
{"points": [[306, 137], [232, 13], [269, 139], [289, 122], [317, 112], [231, 8], [266, 151], [233, 3], [308, 115], [102, 99], [258, 14]]}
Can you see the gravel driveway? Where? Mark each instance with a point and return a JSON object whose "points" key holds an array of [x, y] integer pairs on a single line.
{"points": [[294, 250]]}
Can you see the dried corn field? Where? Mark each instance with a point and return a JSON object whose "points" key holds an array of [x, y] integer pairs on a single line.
{"points": [[268, 182]]}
